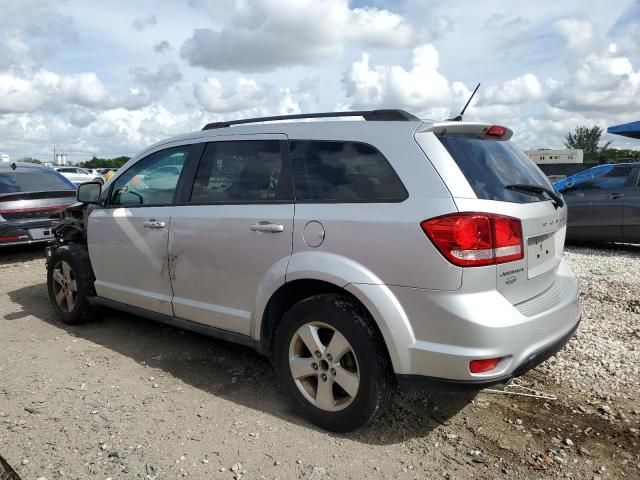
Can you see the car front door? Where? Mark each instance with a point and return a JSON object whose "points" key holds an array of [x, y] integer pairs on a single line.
{"points": [[69, 173], [75, 175], [631, 216], [231, 236], [83, 175], [128, 237]]}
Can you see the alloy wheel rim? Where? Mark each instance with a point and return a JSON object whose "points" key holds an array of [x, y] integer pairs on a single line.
{"points": [[65, 287], [324, 366]]}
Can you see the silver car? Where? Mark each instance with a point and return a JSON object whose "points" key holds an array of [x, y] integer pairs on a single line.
{"points": [[356, 255]]}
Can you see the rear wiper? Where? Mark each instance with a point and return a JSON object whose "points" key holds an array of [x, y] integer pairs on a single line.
{"points": [[538, 190]]}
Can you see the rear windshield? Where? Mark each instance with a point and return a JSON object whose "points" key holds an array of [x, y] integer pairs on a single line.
{"points": [[32, 180], [490, 165]]}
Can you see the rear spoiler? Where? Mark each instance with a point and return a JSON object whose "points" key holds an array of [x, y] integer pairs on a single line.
{"points": [[495, 132]]}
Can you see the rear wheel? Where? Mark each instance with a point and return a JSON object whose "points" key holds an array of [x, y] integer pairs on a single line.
{"points": [[333, 362], [70, 284]]}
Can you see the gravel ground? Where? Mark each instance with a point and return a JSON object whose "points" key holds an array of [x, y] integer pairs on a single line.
{"points": [[126, 398]]}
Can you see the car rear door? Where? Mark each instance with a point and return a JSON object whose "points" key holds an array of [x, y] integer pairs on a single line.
{"points": [[128, 237], [231, 236], [631, 214]]}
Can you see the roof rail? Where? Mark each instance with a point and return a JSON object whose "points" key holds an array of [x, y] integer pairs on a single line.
{"points": [[370, 115]]}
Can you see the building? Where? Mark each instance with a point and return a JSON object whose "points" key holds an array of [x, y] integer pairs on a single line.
{"points": [[4, 157], [61, 159], [544, 156]]}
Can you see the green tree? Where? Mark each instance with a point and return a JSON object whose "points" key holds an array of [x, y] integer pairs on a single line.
{"points": [[613, 155], [30, 160], [587, 140], [96, 162]]}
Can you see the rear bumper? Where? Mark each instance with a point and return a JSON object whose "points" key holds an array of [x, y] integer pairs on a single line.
{"points": [[436, 334], [419, 382], [20, 233]]}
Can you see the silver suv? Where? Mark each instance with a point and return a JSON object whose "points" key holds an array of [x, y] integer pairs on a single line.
{"points": [[356, 255]]}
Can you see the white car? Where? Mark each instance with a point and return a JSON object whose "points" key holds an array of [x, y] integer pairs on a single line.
{"points": [[80, 175]]}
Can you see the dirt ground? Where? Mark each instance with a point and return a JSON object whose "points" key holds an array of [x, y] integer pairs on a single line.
{"points": [[127, 398]]}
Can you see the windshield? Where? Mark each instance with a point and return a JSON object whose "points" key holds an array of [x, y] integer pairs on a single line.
{"points": [[32, 180], [491, 165]]}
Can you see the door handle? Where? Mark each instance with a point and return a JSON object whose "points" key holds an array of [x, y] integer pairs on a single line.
{"points": [[153, 224], [267, 227], [615, 196]]}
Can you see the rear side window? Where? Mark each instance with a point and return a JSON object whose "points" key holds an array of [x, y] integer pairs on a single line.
{"points": [[331, 171], [32, 180], [490, 165], [249, 171]]}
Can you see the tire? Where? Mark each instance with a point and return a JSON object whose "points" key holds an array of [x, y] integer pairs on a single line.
{"points": [[73, 264], [6, 472], [323, 400]]}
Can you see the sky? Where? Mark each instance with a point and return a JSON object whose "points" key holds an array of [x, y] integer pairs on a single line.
{"points": [[111, 78]]}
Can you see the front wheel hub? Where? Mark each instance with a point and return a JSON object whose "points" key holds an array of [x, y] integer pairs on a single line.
{"points": [[65, 287]]}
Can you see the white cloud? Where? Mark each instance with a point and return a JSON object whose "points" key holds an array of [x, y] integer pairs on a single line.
{"points": [[44, 90], [159, 81], [69, 78], [579, 34], [601, 79], [422, 88], [48, 90], [522, 89], [263, 34], [30, 31], [162, 47], [376, 27], [144, 22], [213, 97]]}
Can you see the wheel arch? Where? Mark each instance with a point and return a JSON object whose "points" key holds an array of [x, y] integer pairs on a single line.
{"points": [[388, 318]]}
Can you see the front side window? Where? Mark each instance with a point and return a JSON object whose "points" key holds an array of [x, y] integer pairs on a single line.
{"points": [[332, 171], [612, 180], [152, 180], [606, 177], [242, 171]]}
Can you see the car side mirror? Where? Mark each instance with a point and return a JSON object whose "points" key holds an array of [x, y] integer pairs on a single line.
{"points": [[89, 192]]}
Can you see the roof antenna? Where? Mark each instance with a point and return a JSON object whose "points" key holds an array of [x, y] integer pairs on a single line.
{"points": [[459, 117]]}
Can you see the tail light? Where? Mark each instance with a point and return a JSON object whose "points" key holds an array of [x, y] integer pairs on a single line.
{"points": [[495, 131], [476, 239]]}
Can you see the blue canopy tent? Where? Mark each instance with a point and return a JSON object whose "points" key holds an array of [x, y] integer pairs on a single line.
{"points": [[631, 130]]}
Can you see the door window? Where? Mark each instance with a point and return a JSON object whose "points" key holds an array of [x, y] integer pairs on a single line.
{"points": [[613, 179], [331, 171], [247, 171], [152, 180]]}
